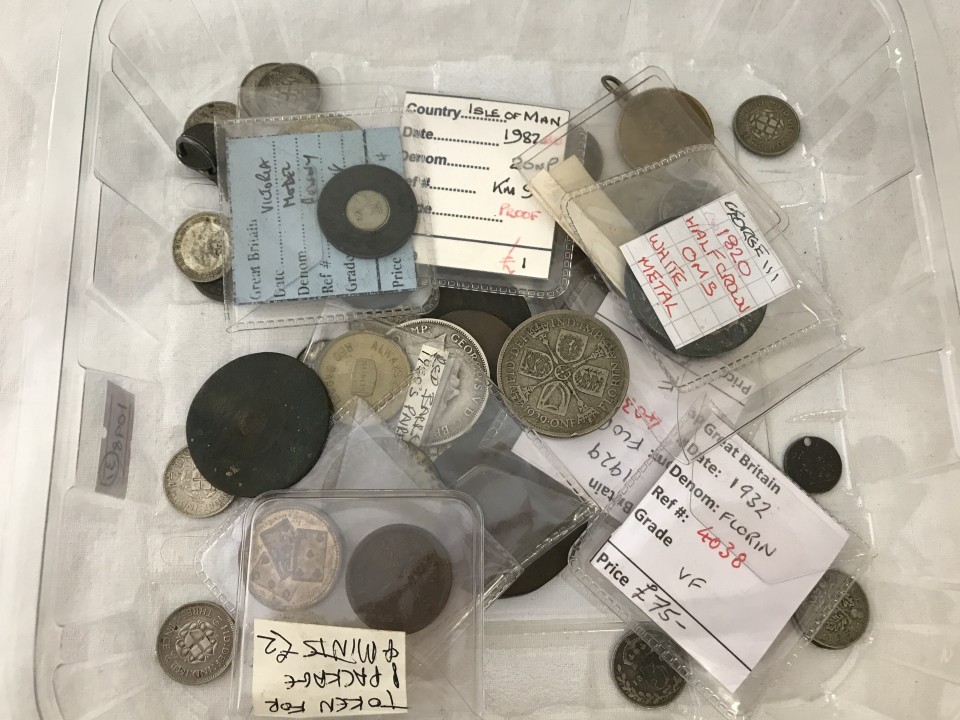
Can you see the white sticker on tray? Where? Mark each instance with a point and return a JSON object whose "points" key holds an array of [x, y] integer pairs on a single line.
{"points": [[706, 269], [482, 217], [720, 553], [321, 671]]}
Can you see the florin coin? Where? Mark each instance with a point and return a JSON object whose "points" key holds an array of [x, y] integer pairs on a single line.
{"points": [[512, 309], [258, 423], [720, 341], [642, 675], [813, 464], [321, 123], [187, 490], [288, 89], [766, 125], [367, 211], [198, 246], [545, 568], [399, 578], [363, 365], [212, 289], [848, 621], [467, 390], [211, 112], [563, 373], [295, 557], [195, 643], [488, 330]]}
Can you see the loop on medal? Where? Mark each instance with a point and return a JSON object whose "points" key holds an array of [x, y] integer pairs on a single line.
{"points": [[611, 83]]}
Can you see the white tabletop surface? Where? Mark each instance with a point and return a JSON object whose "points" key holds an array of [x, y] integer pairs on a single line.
{"points": [[29, 46]]}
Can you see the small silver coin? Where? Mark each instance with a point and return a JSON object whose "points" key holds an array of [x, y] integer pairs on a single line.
{"points": [[848, 621], [766, 125], [465, 400], [288, 89], [368, 210], [211, 112], [189, 492], [198, 246], [195, 643], [295, 557]]}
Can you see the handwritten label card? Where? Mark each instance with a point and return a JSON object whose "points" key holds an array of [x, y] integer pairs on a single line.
{"points": [[701, 580], [323, 671], [461, 152], [277, 250], [427, 382], [706, 269]]}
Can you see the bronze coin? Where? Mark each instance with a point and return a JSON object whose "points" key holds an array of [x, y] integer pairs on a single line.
{"points": [[399, 578], [642, 675], [656, 123]]}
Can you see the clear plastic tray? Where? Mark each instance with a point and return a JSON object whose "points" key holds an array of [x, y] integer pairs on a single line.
{"points": [[862, 178]]}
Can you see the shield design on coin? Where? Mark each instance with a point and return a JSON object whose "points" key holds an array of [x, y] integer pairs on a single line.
{"points": [[570, 346], [555, 398], [196, 642], [309, 555], [590, 380], [363, 379], [535, 364]]}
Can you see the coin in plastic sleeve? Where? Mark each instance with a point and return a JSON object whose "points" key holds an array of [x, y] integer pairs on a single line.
{"points": [[188, 491], [642, 675], [813, 464], [211, 112], [198, 246], [195, 643], [766, 125]]}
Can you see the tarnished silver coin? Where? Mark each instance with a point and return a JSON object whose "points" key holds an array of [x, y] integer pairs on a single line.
{"points": [[467, 390], [288, 89], [211, 112], [195, 643], [189, 492], [295, 557], [248, 88], [642, 675], [766, 125], [365, 365], [321, 123], [848, 621], [563, 373], [198, 246]]}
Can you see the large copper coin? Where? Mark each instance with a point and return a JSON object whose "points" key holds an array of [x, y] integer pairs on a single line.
{"points": [[258, 423]]}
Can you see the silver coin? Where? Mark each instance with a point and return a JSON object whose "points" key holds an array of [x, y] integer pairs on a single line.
{"points": [[198, 246], [295, 557], [189, 492], [464, 402], [249, 85], [195, 643], [368, 210], [288, 89], [320, 123], [848, 621], [211, 112], [767, 125]]}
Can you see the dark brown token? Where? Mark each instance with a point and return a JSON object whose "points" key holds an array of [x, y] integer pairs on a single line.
{"points": [[813, 464], [512, 309], [721, 341], [197, 149], [642, 675], [258, 423], [488, 330], [212, 290], [545, 568], [399, 578]]}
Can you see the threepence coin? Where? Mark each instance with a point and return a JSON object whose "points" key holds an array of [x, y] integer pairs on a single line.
{"points": [[813, 464], [766, 125], [642, 675], [211, 112], [295, 557], [195, 643], [198, 246], [399, 578], [467, 391], [563, 373], [848, 621], [187, 490], [363, 365]]}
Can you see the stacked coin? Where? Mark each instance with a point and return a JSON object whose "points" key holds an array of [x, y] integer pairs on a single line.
{"points": [[275, 89]]}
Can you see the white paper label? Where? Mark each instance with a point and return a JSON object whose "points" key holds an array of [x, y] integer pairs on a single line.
{"points": [[427, 382], [321, 671], [481, 215], [724, 587], [706, 269], [603, 460]]}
